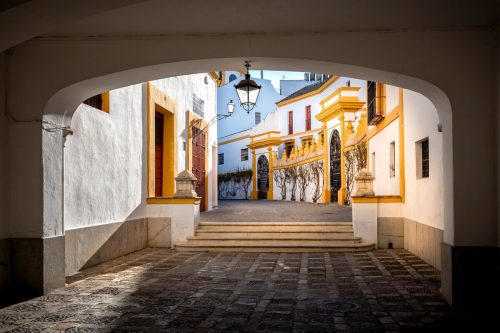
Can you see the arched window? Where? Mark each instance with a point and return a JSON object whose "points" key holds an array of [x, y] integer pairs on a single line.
{"points": [[232, 77]]}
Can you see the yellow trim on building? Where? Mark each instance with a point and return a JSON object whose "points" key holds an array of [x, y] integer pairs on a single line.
{"points": [[378, 199], [254, 195], [268, 133], [309, 160], [270, 190], [317, 91], [157, 100], [326, 195], [402, 179], [173, 201], [233, 140], [105, 101], [386, 121], [268, 142]]}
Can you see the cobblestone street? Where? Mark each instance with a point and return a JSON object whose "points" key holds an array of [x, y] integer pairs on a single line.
{"points": [[157, 290]]}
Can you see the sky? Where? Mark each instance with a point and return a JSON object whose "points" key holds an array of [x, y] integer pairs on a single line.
{"points": [[276, 76]]}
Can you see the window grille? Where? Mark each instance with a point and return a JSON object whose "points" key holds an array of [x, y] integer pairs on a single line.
{"points": [[220, 158], [244, 154]]}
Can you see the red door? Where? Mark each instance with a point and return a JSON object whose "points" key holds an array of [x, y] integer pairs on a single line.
{"points": [[158, 154], [308, 118], [198, 154], [290, 122]]}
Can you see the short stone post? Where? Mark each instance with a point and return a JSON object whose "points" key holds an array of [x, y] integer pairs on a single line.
{"points": [[364, 184], [365, 208], [185, 185]]}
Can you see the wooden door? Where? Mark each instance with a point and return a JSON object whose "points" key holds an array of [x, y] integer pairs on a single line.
{"points": [[158, 154], [308, 118], [290, 122], [198, 158]]}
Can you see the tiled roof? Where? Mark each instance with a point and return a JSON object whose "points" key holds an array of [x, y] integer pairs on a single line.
{"points": [[304, 90]]}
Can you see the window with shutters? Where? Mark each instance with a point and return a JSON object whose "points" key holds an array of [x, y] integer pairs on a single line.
{"points": [[374, 102], [221, 158], [422, 158], [100, 102], [308, 118], [257, 118], [290, 122], [244, 154]]}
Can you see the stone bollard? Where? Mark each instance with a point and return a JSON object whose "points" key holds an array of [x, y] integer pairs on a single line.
{"points": [[365, 208], [185, 185], [364, 184]]}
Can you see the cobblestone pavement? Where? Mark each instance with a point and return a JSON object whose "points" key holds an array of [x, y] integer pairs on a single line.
{"points": [[276, 211], [156, 290]]}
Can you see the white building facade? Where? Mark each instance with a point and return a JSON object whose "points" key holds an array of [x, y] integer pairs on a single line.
{"points": [[120, 164], [308, 147]]}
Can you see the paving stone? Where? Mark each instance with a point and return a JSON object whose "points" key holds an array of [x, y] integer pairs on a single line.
{"points": [[159, 290]]}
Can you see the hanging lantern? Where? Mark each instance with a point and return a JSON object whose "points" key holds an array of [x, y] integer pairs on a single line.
{"points": [[248, 91]]}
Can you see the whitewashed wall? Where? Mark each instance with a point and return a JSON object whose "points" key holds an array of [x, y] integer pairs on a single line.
{"points": [[424, 197], [379, 144], [232, 156], [105, 158], [104, 161]]}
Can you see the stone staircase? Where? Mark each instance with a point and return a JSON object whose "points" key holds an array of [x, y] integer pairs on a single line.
{"points": [[274, 237]]}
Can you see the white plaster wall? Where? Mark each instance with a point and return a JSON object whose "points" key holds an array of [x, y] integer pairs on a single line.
{"points": [[424, 197], [391, 97], [184, 219], [105, 158], [181, 89], [232, 156], [105, 161], [379, 144]]}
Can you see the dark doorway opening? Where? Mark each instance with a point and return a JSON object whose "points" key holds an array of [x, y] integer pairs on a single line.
{"points": [[335, 173], [262, 177]]}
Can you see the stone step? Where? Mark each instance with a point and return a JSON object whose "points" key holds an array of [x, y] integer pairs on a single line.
{"points": [[335, 247], [273, 233], [274, 236], [275, 223], [275, 227], [271, 242]]}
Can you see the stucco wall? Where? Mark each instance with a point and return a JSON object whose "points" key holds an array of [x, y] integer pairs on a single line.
{"points": [[104, 161], [105, 158], [384, 184], [424, 197]]}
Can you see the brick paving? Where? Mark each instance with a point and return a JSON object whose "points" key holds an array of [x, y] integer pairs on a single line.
{"points": [[159, 290]]}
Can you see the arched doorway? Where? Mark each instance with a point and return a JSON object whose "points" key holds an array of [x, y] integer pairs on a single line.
{"points": [[262, 177], [335, 173]]}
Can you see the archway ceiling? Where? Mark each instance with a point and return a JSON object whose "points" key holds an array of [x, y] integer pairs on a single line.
{"points": [[280, 16], [21, 20]]}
